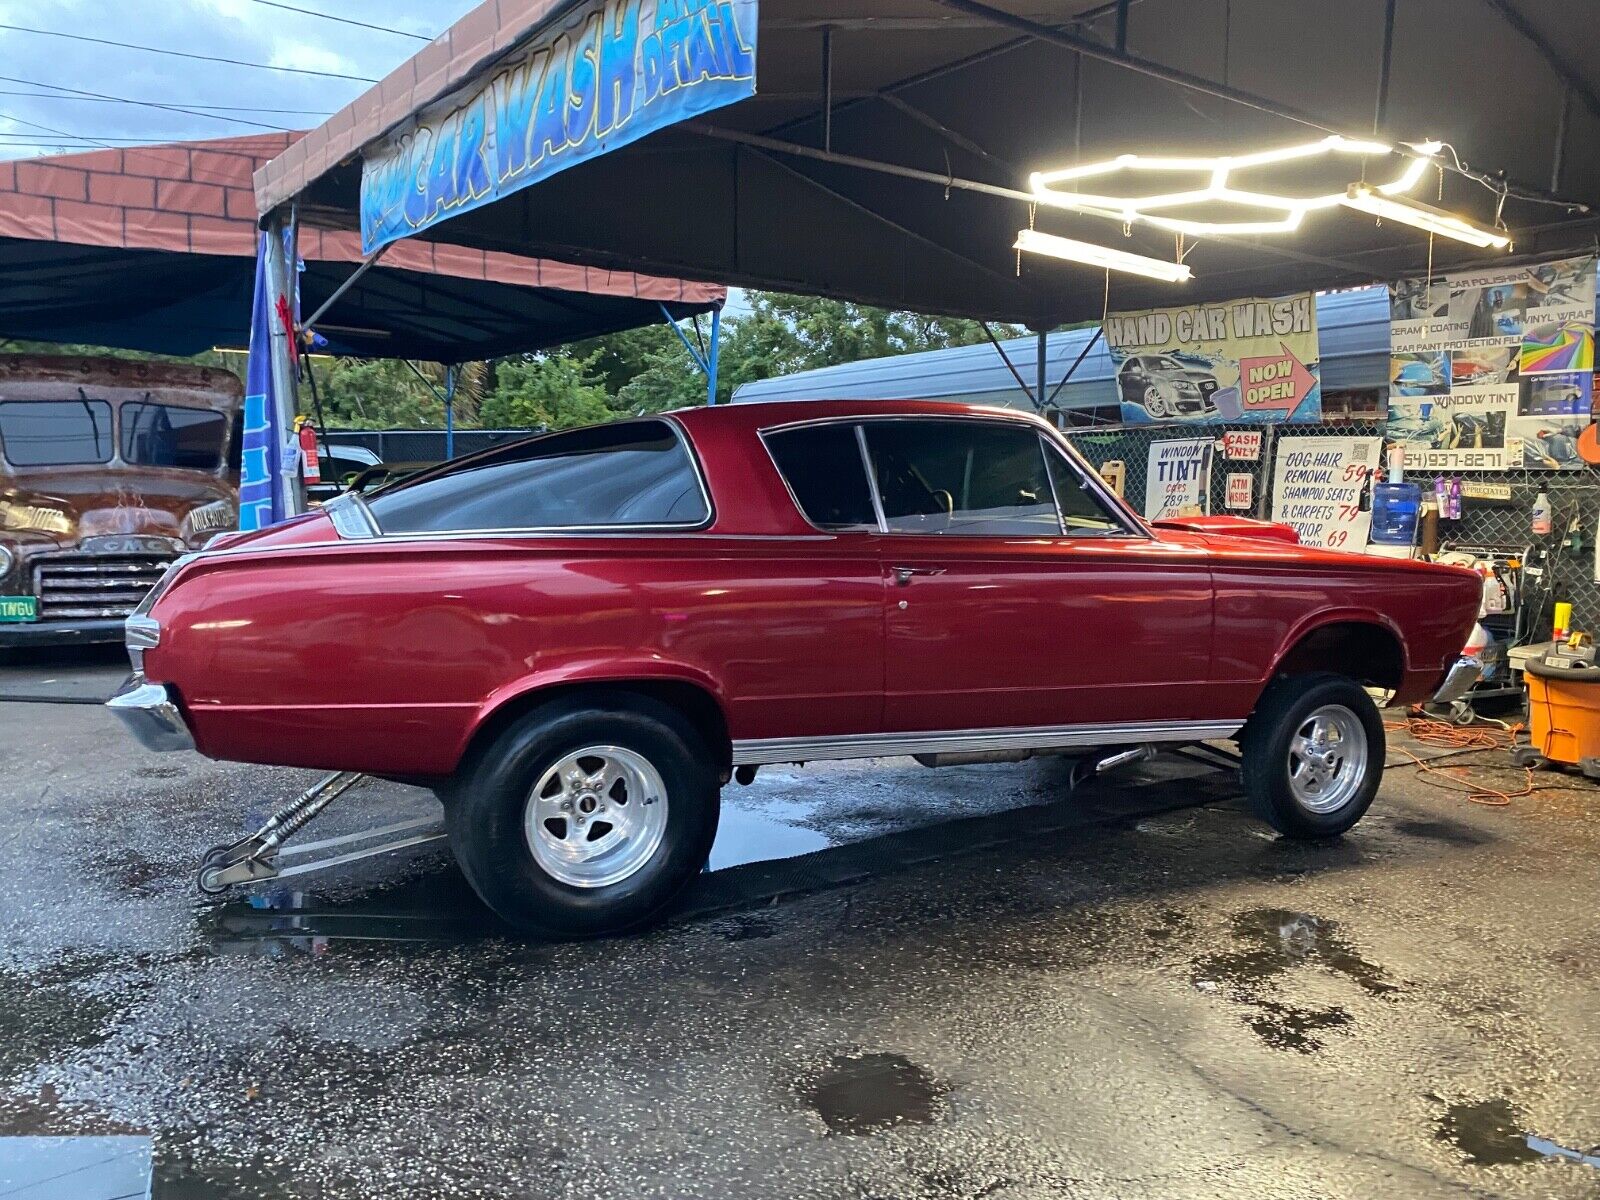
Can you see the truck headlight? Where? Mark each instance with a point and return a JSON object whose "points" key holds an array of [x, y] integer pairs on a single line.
{"points": [[8, 559]]}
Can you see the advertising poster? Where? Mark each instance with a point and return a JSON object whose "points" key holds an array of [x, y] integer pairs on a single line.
{"points": [[1316, 488], [1492, 370], [1178, 480], [1238, 360]]}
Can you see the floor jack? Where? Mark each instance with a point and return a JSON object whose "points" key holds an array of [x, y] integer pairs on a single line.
{"points": [[257, 857]]}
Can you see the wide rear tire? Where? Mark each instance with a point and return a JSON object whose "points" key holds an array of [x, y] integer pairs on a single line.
{"points": [[585, 817], [1313, 755]]}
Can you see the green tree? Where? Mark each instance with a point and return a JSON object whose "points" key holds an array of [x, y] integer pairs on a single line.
{"points": [[553, 390]]}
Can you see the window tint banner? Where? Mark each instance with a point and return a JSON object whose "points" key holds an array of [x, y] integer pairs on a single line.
{"points": [[1492, 370], [258, 490], [1177, 482], [607, 73], [1246, 360]]}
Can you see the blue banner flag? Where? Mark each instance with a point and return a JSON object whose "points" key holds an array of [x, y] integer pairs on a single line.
{"points": [[260, 501], [606, 74]]}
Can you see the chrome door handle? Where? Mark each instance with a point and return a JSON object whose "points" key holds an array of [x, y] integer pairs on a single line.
{"points": [[902, 575]]}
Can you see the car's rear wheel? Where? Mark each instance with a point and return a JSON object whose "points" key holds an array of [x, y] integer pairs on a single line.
{"points": [[585, 818], [1313, 755]]}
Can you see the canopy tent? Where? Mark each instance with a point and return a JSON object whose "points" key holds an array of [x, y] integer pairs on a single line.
{"points": [[1353, 328], [884, 155], [154, 248]]}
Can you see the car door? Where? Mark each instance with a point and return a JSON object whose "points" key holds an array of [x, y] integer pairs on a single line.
{"points": [[1018, 595]]}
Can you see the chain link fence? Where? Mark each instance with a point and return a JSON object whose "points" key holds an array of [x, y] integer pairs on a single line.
{"points": [[1498, 525]]}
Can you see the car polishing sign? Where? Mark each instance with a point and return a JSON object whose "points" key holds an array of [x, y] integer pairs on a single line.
{"points": [[604, 74], [1243, 360]]}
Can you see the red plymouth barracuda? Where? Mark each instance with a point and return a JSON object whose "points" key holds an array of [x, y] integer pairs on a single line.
{"points": [[578, 639]]}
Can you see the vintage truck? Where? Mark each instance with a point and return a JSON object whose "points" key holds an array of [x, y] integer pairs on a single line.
{"points": [[109, 470]]}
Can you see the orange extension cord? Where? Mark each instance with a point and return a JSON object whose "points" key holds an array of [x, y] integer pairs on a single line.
{"points": [[1463, 739]]}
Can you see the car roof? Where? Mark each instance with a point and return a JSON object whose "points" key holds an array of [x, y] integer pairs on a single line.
{"points": [[766, 414]]}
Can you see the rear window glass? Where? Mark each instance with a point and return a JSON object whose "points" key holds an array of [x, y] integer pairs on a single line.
{"points": [[54, 433], [822, 466], [166, 435], [630, 473]]}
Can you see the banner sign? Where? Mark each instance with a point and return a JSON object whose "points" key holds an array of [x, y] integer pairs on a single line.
{"points": [[260, 502], [1241, 360], [1177, 482], [1316, 488], [605, 75], [1492, 370]]}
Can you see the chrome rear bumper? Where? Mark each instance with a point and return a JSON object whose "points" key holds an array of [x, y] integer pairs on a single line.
{"points": [[151, 715], [1458, 681]]}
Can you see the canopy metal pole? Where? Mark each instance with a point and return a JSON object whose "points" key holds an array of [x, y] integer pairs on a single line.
{"points": [[716, 343], [281, 228], [1038, 394], [700, 361], [451, 372], [1076, 363], [344, 287]]}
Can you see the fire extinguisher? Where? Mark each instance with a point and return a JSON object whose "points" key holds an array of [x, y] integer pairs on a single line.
{"points": [[308, 453]]}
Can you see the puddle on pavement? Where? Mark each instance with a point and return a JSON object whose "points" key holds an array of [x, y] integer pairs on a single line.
{"points": [[867, 1093], [1450, 832], [46, 1012], [271, 922], [747, 835], [1277, 941], [1493, 1133]]}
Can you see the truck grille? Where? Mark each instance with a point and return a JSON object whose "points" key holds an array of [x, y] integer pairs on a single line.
{"points": [[90, 586]]}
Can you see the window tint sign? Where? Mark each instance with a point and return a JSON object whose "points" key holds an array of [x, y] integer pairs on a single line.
{"points": [[1178, 478], [1242, 360], [605, 75]]}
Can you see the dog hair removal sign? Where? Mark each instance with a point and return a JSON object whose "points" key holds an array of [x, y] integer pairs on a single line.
{"points": [[1243, 360], [1316, 488]]}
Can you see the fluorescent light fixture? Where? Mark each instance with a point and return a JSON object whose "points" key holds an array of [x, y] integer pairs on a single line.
{"points": [[1092, 255], [1150, 210], [1368, 199]]}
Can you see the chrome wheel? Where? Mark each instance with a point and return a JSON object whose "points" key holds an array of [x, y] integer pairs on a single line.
{"points": [[1327, 759], [596, 817], [1154, 402]]}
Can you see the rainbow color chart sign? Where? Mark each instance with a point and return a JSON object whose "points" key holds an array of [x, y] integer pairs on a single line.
{"points": [[1493, 370]]}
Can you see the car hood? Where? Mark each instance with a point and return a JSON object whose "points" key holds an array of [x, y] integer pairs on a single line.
{"points": [[69, 506]]}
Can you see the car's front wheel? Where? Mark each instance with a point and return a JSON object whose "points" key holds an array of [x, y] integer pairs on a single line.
{"points": [[1313, 755], [586, 817]]}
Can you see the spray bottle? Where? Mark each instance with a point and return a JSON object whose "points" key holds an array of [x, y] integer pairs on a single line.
{"points": [[1541, 513]]}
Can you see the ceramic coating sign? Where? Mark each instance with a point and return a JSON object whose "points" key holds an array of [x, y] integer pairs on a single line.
{"points": [[1177, 482], [1492, 370], [1241, 360], [1316, 488], [607, 74]]}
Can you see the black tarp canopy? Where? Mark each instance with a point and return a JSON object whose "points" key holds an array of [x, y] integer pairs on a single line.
{"points": [[884, 155]]}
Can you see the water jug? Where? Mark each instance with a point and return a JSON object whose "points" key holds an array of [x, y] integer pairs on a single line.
{"points": [[1394, 513]]}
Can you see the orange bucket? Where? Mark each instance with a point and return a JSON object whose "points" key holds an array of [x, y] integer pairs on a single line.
{"points": [[1564, 711]]}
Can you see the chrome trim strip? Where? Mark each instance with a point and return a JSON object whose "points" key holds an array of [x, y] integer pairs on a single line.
{"points": [[872, 479], [756, 751]]}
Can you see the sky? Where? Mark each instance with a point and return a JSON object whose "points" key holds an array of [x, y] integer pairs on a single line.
{"points": [[44, 120]]}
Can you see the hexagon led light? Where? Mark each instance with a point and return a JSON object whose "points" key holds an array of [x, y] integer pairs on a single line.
{"points": [[1153, 210]]}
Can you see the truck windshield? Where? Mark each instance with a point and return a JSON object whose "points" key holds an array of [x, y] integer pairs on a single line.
{"points": [[165, 435], [54, 433]]}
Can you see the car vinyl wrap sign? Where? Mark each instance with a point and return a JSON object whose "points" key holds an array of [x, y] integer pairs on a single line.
{"points": [[1316, 487], [604, 75], [1241, 360], [1492, 370], [1177, 481]]}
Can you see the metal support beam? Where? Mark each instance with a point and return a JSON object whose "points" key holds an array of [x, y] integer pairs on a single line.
{"points": [[1076, 363], [827, 87], [928, 121], [1122, 27], [694, 351], [1513, 17], [452, 373], [1560, 153], [1006, 358], [1380, 113], [366, 264], [1038, 387], [714, 354], [281, 241]]}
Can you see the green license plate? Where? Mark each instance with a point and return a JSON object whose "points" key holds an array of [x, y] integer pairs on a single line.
{"points": [[19, 608]]}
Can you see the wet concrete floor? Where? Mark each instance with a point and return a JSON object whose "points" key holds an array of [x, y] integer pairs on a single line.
{"points": [[897, 983]]}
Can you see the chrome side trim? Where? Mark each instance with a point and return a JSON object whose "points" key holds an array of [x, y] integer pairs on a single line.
{"points": [[351, 517], [150, 714], [757, 751], [1458, 681]]}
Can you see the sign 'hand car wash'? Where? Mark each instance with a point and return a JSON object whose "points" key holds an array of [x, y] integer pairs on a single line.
{"points": [[605, 75]]}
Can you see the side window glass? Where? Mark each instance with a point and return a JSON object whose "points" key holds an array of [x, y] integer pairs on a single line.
{"points": [[964, 478], [822, 466], [1083, 513]]}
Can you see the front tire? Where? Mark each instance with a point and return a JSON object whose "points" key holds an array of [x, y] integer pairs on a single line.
{"points": [[585, 818], [1313, 755]]}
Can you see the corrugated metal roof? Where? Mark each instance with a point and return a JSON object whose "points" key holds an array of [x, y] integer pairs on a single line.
{"points": [[1353, 329]]}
